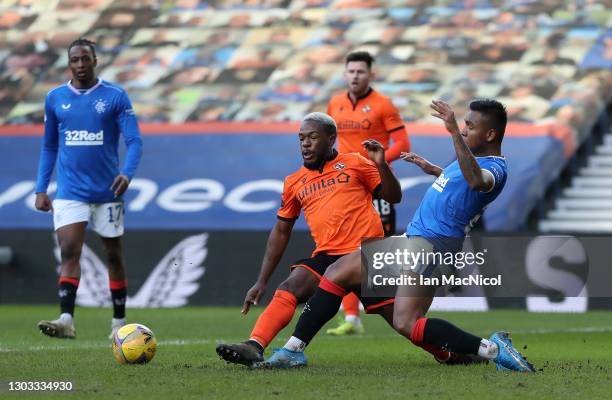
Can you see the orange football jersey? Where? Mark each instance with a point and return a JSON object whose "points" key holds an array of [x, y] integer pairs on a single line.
{"points": [[337, 202], [373, 117]]}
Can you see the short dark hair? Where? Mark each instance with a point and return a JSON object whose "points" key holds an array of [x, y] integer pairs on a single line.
{"points": [[325, 121], [360, 56], [83, 42], [494, 112]]}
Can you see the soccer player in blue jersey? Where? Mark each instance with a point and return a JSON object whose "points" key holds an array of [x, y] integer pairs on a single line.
{"points": [[83, 121], [450, 206]]}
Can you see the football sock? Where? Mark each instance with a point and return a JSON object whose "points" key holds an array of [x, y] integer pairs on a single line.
{"points": [[488, 349], [321, 307], [118, 291], [416, 337], [117, 322], [67, 294], [295, 344], [440, 354], [275, 317], [66, 318], [350, 303], [353, 319], [444, 335]]}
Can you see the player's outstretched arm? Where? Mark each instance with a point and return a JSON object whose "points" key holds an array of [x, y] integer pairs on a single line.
{"points": [[426, 166], [390, 189], [470, 168], [277, 243]]}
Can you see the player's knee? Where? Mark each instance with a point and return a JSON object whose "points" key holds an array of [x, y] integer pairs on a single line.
{"points": [[403, 324], [70, 252], [339, 277], [288, 286], [301, 290]]}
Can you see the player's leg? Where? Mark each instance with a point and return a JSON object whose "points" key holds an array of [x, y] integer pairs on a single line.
{"points": [[296, 289], [117, 277], [321, 307], [411, 305], [70, 239], [385, 308], [107, 221], [350, 303]]}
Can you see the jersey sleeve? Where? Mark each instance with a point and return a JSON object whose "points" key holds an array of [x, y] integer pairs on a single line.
{"points": [[128, 124], [368, 173], [397, 130], [290, 207], [48, 152], [391, 117], [497, 171]]}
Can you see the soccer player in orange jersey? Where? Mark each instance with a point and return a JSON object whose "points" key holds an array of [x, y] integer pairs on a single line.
{"points": [[362, 113], [335, 192]]}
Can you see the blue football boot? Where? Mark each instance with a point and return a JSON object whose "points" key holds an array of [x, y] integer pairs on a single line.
{"points": [[283, 359], [508, 357]]}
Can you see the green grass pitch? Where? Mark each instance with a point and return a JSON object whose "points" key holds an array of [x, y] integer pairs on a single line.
{"points": [[573, 353]]}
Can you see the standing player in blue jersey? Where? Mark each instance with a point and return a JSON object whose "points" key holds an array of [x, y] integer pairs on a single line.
{"points": [[83, 121], [451, 205]]}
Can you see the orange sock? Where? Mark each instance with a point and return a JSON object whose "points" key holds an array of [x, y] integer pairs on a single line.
{"points": [[275, 317], [350, 303]]}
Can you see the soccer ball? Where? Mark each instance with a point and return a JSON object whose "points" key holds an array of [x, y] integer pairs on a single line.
{"points": [[134, 344]]}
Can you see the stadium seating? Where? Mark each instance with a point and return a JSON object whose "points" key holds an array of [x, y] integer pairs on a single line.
{"points": [[183, 60]]}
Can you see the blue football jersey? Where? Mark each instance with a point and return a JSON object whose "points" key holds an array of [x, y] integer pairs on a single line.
{"points": [[450, 207], [82, 129]]}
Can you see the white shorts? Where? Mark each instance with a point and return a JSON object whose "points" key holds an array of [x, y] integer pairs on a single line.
{"points": [[105, 219]]}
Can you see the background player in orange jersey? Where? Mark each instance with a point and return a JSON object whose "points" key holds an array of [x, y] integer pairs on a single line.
{"points": [[362, 113], [335, 191]]}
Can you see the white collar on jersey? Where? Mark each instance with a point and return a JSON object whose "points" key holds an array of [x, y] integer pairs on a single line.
{"points": [[77, 91]]}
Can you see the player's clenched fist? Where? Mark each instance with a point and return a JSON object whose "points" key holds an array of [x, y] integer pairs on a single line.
{"points": [[42, 203]]}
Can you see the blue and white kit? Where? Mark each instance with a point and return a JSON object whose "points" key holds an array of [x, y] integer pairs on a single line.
{"points": [[82, 129]]}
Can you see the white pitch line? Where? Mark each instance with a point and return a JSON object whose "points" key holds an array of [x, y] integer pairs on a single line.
{"points": [[98, 345], [189, 342]]}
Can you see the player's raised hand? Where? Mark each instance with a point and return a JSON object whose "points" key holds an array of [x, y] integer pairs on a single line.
{"points": [[446, 114], [120, 185], [375, 150], [253, 296], [43, 203]]}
